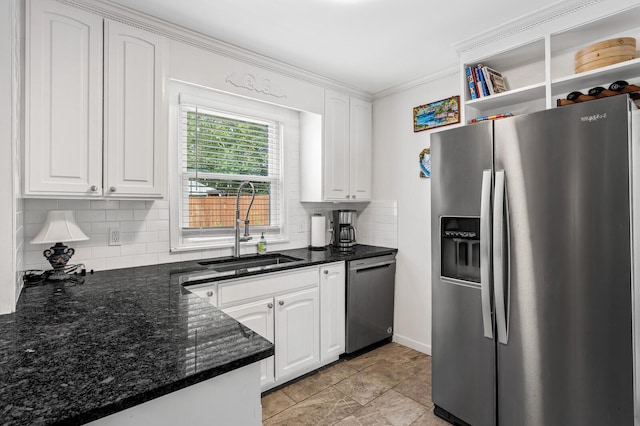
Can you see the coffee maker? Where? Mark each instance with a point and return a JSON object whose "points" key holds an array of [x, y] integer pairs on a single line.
{"points": [[343, 230]]}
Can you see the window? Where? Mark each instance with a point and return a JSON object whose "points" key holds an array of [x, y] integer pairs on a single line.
{"points": [[221, 145]]}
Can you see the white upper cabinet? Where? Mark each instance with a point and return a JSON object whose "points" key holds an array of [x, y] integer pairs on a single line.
{"points": [[360, 140], [133, 123], [336, 146], [74, 147], [63, 150], [337, 167]]}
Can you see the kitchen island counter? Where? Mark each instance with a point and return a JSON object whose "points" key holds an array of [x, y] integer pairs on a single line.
{"points": [[71, 354]]}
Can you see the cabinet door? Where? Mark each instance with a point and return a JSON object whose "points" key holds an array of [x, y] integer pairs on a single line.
{"points": [[336, 146], [258, 316], [134, 148], [297, 333], [360, 150], [332, 311], [63, 128]]}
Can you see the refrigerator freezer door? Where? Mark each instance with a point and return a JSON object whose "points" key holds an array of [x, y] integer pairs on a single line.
{"points": [[569, 358], [463, 370]]}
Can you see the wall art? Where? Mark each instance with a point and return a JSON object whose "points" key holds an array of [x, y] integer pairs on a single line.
{"points": [[425, 163], [436, 114]]}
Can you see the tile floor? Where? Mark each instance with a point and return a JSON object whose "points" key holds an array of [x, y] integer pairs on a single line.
{"points": [[390, 385]]}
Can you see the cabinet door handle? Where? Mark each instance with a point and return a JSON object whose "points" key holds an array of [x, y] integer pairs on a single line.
{"points": [[210, 293], [112, 189], [353, 197], [94, 188], [347, 195], [270, 305], [326, 272], [281, 302]]}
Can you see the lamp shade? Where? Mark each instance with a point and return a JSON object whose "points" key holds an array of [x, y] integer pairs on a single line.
{"points": [[60, 226]]}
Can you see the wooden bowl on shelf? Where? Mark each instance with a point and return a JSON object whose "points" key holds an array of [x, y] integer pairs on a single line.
{"points": [[605, 53]]}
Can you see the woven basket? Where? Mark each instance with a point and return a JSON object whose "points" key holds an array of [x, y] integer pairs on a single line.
{"points": [[605, 53]]}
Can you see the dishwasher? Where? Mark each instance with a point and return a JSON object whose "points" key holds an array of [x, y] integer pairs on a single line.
{"points": [[370, 295]]}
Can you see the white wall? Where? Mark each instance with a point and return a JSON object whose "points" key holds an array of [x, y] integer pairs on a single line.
{"points": [[396, 176], [10, 214]]}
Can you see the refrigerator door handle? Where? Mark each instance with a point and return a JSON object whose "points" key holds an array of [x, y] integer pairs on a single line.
{"points": [[500, 255], [485, 253]]}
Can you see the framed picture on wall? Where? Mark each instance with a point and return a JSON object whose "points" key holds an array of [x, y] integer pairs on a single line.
{"points": [[436, 114], [425, 163]]}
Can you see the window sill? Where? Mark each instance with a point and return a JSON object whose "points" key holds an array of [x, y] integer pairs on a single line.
{"points": [[226, 243]]}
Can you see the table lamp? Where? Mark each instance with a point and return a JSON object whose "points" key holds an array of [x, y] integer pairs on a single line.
{"points": [[59, 227]]}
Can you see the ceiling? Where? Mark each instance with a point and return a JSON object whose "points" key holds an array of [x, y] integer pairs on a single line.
{"points": [[368, 45]]}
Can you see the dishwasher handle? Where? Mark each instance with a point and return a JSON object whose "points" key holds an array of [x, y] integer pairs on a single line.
{"points": [[378, 265]]}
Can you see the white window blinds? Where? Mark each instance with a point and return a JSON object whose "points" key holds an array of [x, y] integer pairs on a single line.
{"points": [[218, 151]]}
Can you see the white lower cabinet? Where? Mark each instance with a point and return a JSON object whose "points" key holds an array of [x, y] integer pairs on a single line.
{"points": [[302, 311], [258, 316], [297, 333], [332, 311]]}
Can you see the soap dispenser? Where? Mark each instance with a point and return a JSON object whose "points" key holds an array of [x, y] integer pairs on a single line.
{"points": [[262, 245]]}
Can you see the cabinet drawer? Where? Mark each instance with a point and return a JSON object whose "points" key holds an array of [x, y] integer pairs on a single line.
{"points": [[242, 290]]}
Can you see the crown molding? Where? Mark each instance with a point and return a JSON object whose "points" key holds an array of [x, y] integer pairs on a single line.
{"points": [[414, 83], [553, 12], [166, 29]]}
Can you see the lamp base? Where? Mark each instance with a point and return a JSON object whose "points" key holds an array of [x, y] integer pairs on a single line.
{"points": [[58, 256]]}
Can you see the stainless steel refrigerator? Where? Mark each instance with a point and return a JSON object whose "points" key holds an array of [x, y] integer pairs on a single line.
{"points": [[534, 260]]}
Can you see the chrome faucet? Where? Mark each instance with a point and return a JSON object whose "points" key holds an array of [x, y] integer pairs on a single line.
{"points": [[246, 236]]}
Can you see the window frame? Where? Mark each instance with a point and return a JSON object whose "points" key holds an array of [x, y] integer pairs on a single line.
{"points": [[185, 239]]}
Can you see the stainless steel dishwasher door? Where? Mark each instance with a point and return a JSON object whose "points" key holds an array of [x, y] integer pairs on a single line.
{"points": [[370, 294]]}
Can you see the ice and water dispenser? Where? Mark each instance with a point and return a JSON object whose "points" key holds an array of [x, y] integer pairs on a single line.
{"points": [[460, 245]]}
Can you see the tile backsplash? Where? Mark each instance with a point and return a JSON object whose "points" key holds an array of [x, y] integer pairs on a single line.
{"points": [[144, 230]]}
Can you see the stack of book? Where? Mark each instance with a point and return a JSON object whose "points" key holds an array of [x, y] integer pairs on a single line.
{"points": [[491, 117], [484, 81]]}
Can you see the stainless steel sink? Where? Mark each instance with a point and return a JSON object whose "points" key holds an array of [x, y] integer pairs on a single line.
{"points": [[252, 263]]}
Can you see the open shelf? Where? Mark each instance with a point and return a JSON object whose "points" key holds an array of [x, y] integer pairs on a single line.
{"points": [[539, 67]]}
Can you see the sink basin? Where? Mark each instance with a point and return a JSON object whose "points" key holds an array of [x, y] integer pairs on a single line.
{"points": [[249, 263]]}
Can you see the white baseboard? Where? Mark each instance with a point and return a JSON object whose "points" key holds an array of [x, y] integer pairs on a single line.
{"points": [[418, 346]]}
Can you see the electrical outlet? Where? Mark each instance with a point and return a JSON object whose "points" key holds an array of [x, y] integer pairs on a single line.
{"points": [[114, 236]]}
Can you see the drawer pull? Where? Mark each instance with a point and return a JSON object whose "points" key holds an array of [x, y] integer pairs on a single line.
{"points": [[281, 302], [270, 305], [210, 293]]}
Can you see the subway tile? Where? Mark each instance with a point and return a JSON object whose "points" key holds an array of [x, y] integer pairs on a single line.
{"points": [[103, 227], [140, 237], [119, 215], [105, 204], [94, 264], [34, 216], [74, 204], [145, 259], [158, 247], [133, 226], [145, 214], [38, 204], [158, 204], [106, 251], [133, 249], [157, 225], [169, 257], [32, 229], [90, 216], [133, 204], [118, 262]]}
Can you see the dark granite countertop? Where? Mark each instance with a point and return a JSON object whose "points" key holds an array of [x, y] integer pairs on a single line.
{"points": [[71, 354]]}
